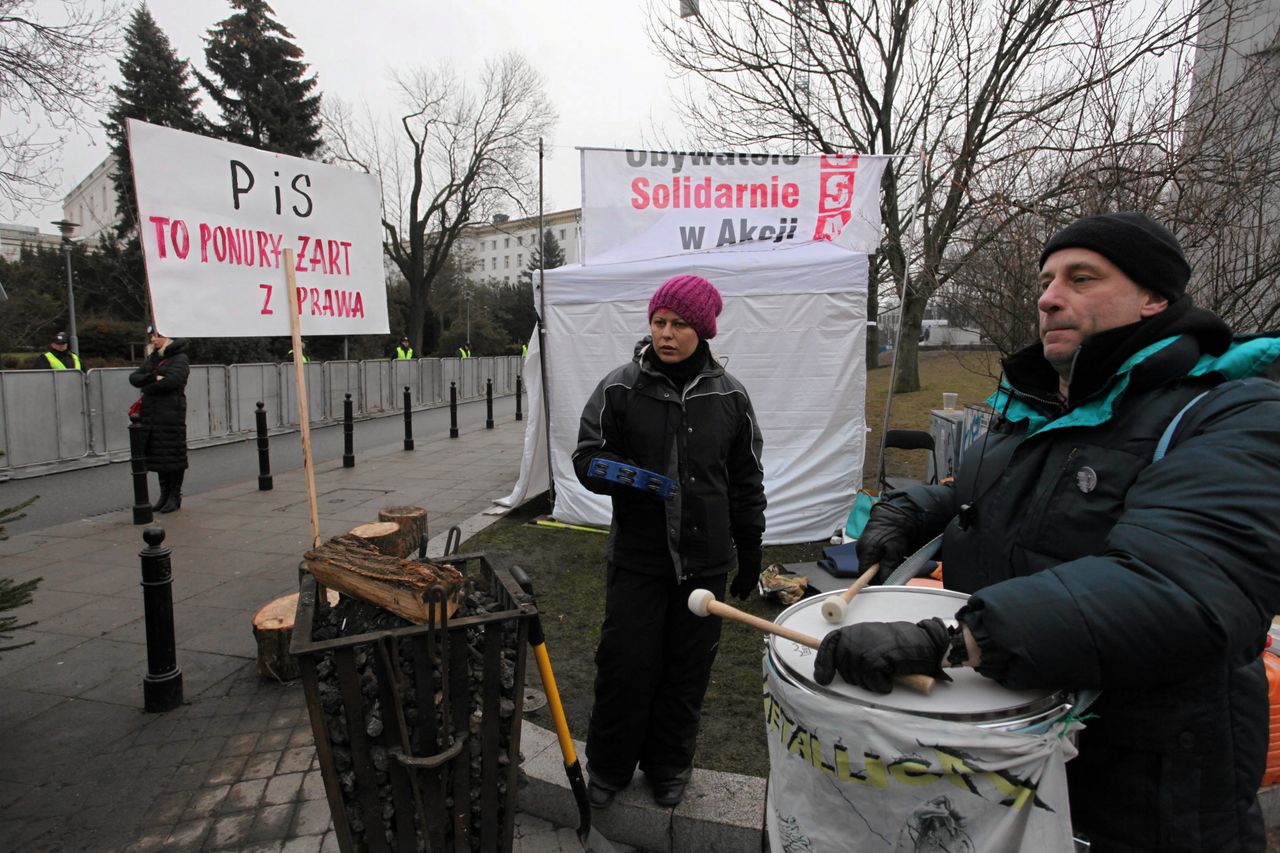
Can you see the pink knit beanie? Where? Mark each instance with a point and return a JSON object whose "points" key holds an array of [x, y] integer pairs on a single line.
{"points": [[694, 298]]}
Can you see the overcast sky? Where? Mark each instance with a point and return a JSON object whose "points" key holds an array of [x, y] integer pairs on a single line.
{"points": [[601, 73]]}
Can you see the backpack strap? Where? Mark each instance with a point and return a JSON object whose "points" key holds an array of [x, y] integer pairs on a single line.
{"points": [[1163, 446]]}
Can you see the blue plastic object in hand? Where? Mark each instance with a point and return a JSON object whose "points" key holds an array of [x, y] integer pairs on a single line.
{"points": [[634, 476]]}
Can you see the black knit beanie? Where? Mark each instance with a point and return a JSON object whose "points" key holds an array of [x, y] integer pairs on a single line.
{"points": [[1141, 247]]}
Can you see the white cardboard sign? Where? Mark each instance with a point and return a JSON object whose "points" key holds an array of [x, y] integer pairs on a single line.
{"points": [[215, 219], [652, 204]]}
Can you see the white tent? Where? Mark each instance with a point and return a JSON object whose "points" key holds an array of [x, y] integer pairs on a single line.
{"points": [[792, 331]]}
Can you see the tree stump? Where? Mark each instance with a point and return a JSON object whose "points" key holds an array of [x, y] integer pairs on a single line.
{"points": [[385, 536], [413, 526], [273, 629]]}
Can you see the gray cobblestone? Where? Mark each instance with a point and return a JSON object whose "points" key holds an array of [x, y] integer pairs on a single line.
{"points": [[283, 789], [230, 831], [312, 817], [296, 760], [244, 795]]}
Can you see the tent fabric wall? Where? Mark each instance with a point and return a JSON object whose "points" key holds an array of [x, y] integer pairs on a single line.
{"points": [[792, 331]]}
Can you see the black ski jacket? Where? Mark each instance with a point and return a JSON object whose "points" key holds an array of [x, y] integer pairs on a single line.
{"points": [[705, 437], [1093, 565]]}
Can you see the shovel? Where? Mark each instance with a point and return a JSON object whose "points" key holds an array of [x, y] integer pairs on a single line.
{"points": [[592, 840]]}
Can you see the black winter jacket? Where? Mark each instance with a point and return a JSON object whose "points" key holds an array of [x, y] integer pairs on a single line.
{"points": [[164, 406], [1093, 566], [704, 437]]}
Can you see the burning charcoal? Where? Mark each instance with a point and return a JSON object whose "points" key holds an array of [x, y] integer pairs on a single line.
{"points": [[373, 727]]}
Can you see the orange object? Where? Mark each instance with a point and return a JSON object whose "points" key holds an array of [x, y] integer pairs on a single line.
{"points": [[1272, 662], [936, 584]]}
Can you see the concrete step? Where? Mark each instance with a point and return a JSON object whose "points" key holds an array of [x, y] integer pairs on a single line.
{"points": [[721, 812]]}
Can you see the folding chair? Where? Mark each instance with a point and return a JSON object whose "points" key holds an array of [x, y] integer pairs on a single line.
{"points": [[906, 439]]}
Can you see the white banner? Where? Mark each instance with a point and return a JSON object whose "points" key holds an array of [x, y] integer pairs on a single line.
{"points": [[215, 219], [649, 204]]}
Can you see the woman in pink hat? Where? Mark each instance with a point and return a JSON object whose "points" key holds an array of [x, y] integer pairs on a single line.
{"points": [[673, 411]]}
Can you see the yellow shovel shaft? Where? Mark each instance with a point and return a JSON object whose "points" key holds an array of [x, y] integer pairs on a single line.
{"points": [[553, 702]]}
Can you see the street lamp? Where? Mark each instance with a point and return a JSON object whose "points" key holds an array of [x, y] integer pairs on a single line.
{"points": [[466, 298], [65, 226]]}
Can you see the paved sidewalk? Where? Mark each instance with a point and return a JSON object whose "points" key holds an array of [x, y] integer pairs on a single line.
{"points": [[83, 768]]}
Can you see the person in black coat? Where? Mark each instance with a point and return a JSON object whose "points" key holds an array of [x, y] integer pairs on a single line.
{"points": [[673, 411], [162, 379], [1116, 530]]}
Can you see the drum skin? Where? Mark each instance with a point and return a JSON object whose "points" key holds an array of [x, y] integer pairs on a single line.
{"points": [[968, 698]]}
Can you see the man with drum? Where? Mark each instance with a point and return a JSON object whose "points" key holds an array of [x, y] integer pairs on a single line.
{"points": [[1117, 529]]}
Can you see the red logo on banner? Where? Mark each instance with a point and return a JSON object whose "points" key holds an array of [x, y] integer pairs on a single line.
{"points": [[835, 194]]}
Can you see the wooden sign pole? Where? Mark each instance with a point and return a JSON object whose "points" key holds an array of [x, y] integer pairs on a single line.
{"points": [[304, 412]]}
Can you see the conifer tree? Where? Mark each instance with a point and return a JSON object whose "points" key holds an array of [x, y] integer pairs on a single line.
{"points": [[156, 88], [258, 80], [555, 257]]}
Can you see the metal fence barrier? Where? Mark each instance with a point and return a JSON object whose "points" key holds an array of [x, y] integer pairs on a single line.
{"points": [[50, 418]]}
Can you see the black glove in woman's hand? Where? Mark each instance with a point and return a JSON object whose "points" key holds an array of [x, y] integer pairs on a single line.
{"points": [[748, 575], [870, 654]]}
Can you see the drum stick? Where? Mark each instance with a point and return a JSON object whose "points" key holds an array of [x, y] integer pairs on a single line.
{"points": [[835, 607], [703, 603]]}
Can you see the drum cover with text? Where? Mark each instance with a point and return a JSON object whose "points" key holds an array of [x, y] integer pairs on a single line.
{"points": [[848, 777]]}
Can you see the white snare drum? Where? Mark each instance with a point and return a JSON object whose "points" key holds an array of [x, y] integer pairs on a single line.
{"points": [[970, 698]]}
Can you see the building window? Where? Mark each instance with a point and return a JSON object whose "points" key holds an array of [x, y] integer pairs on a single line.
{"points": [[506, 242], [494, 246], [561, 233], [507, 261], [519, 260]]}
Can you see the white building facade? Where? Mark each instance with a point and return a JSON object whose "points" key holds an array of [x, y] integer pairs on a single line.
{"points": [[500, 251], [92, 203]]}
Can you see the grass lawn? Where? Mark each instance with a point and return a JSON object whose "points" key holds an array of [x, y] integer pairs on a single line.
{"points": [[567, 568]]}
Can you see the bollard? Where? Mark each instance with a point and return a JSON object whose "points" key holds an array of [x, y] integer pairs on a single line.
{"points": [[519, 393], [265, 483], [408, 419], [488, 403], [453, 410], [162, 685], [142, 513], [348, 434]]}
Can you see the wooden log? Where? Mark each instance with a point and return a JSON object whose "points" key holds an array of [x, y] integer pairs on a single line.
{"points": [[353, 566], [273, 631], [383, 535], [413, 526]]}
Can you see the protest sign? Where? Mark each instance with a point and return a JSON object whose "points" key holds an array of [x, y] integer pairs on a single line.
{"points": [[215, 219], [650, 204]]}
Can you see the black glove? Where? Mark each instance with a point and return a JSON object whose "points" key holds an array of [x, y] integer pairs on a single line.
{"points": [[869, 654], [888, 538], [748, 573]]}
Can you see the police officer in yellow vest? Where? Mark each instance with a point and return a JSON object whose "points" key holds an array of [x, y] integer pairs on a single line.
{"points": [[464, 352], [305, 360], [59, 357], [404, 352]]}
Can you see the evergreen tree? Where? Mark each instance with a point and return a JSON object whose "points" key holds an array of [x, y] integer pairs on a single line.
{"points": [[257, 79], [555, 257], [156, 88], [12, 593]]}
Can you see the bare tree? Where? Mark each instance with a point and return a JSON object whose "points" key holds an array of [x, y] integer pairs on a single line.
{"points": [[49, 81], [455, 158], [977, 88]]}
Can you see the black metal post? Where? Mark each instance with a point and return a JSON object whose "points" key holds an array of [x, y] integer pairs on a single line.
{"points": [[162, 685], [265, 482], [138, 467], [519, 394], [453, 410], [488, 404], [408, 419], [348, 434]]}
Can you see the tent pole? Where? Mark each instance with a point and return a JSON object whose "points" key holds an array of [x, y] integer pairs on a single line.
{"points": [[542, 335], [897, 338]]}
